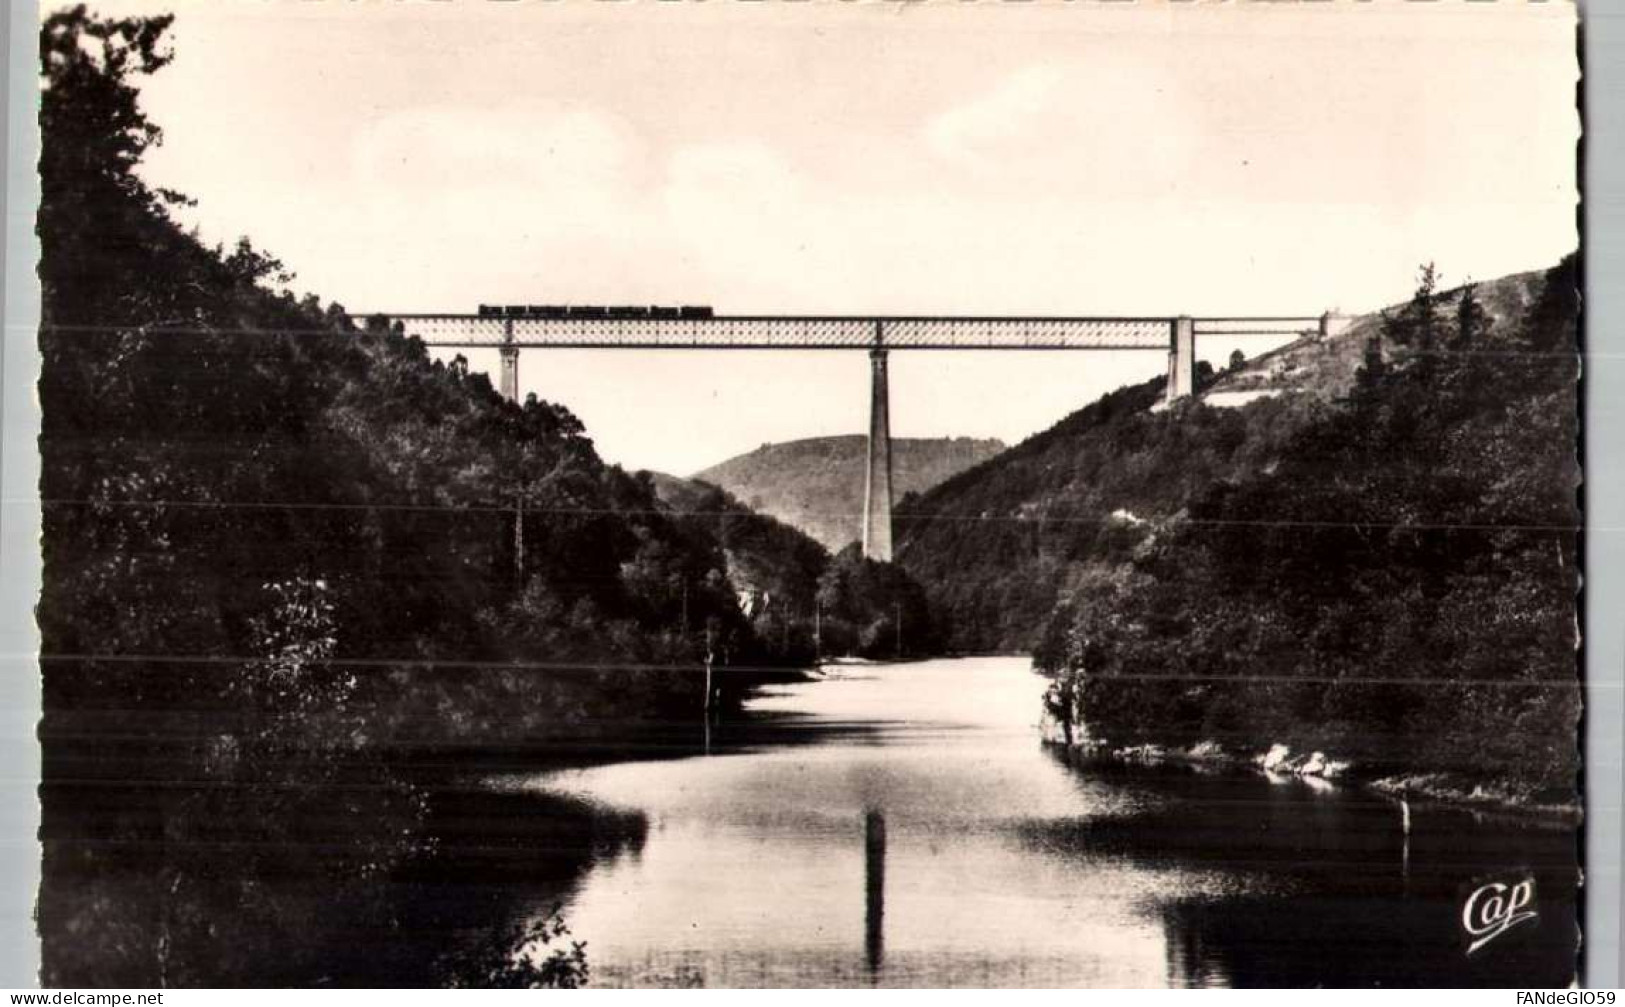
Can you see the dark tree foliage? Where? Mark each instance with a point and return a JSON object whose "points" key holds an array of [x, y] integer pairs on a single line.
{"points": [[802, 603], [210, 445], [1371, 375], [873, 610], [774, 569], [998, 545], [279, 548], [1417, 324], [1472, 321], [1399, 588], [526, 959]]}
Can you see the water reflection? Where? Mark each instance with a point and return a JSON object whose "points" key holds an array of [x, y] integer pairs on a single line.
{"points": [[1330, 889], [121, 905], [987, 860], [874, 888], [890, 826]]}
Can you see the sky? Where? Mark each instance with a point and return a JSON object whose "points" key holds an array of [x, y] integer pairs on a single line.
{"points": [[1071, 157]]}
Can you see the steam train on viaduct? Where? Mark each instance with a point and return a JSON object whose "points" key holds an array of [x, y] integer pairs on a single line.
{"points": [[593, 311]]}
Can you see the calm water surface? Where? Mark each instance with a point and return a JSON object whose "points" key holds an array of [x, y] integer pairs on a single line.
{"points": [[902, 826]]}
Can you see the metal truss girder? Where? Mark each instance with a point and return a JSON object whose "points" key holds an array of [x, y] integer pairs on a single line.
{"points": [[1256, 326], [642, 332], [1027, 333], [791, 332]]}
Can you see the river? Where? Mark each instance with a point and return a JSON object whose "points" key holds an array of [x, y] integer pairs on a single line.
{"points": [[901, 825], [885, 825]]}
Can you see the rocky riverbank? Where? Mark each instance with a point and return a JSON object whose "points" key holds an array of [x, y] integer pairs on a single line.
{"points": [[1279, 761]]}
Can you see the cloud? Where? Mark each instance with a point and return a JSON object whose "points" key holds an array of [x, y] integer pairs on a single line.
{"points": [[1107, 127], [1046, 190], [743, 211], [445, 145], [526, 170], [1013, 111]]}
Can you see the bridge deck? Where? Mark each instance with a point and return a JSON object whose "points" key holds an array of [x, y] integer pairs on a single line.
{"points": [[829, 332]]}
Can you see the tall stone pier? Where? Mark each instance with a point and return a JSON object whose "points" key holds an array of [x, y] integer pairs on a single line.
{"points": [[1181, 359], [877, 486], [508, 382], [1334, 324]]}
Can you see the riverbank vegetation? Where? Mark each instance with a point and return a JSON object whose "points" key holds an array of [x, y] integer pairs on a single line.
{"points": [[1365, 545], [1397, 587], [286, 555]]}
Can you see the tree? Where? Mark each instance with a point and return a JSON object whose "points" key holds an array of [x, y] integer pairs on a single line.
{"points": [[1472, 321], [1237, 359], [1370, 376], [524, 958], [306, 522], [1416, 326], [1409, 556], [94, 134]]}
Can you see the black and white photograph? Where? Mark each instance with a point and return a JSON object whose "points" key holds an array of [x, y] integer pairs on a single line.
{"points": [[842, 493]]}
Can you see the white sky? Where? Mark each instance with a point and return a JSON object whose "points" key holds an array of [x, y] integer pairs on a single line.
{"points": [[1046, 157]]}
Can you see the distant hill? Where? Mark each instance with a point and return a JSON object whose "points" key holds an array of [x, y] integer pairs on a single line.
{"points": [[792, 589], [680, 494], [1050, 509], [765, 558], [816, 485]]}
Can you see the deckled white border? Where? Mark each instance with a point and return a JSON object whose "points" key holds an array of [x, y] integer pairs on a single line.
{"points": [[1604, 201], [1604, 491], [19, 511]]}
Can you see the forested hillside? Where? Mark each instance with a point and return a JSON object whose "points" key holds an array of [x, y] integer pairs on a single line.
{"points": [[1000, 545], [1377, 559], [1399, 588], [218, 455], [794, 592], [817, 484], [281, 550], [1325, 368]]}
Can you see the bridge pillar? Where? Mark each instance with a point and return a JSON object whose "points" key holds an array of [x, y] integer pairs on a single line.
{"points": [[1333, 324], [1181, 359], [877, 486], [508, 384]]}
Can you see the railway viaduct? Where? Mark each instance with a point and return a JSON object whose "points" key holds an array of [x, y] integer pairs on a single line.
{"points": [[512, 329]]}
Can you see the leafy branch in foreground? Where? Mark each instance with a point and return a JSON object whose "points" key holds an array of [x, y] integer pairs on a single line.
{"points": [[525, 958]]}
